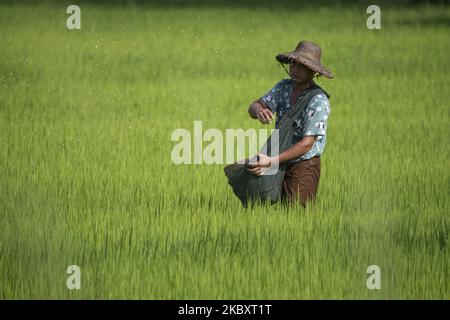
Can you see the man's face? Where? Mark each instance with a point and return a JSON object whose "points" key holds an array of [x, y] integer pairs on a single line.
{"points": [[300, 73]]}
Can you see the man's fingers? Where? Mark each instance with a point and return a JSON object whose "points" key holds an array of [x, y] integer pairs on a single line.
{"points": [[254, 168], [270, 114], [261, 118], [265, 116], [253, 171]]}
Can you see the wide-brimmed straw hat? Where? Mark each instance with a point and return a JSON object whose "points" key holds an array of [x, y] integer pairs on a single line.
{"points": [[308, 54]]}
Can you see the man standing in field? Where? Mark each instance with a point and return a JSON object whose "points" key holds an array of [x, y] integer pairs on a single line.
{"points": [[303, 157]]}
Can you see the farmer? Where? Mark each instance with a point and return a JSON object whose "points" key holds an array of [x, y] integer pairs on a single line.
{"points": [[303, 157]]}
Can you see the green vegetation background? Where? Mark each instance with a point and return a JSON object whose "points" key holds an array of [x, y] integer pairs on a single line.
{"points": [[86, 177]]}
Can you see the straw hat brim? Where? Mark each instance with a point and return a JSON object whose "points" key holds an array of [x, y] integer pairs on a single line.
{"points": [[292, 56]]}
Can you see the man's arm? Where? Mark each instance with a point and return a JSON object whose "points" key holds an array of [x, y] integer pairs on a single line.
{"points": [[297, 150], [259, 110]]}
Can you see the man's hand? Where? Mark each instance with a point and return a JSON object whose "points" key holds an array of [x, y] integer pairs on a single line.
{"points": [[258, 110], [258, 168], [265, 116]]}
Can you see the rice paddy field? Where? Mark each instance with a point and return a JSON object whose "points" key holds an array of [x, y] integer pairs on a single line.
{"points": [[86, 176]]}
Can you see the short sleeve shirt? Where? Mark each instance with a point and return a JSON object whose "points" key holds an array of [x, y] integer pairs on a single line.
{"points": [[312, 120]]}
